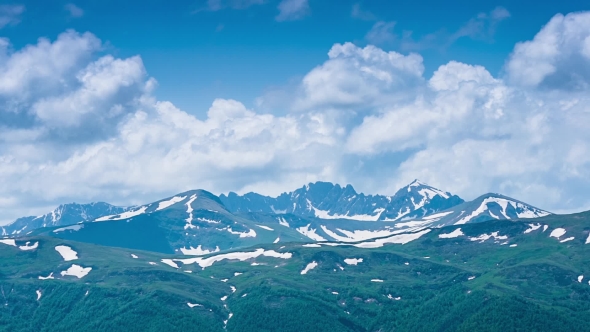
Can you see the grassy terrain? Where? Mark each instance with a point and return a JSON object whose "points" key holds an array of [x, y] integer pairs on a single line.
{"points": [[427, 285]]}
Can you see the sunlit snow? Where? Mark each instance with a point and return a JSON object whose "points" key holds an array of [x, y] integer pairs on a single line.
{"points": [[69, 228], [309, 267], [568, 239], [50, 276], [532, 227], [265, 227], [311, 245], [198, 251], [124, 215], [192, 305], [250, 233], [241, 256], [353, 261], [29, 246], [164, 204], [67, 253], [456, 233], [76, 271], [485, 237], [557, 233], [398, 239], [38, 294], [170, 263], [310, 233]]}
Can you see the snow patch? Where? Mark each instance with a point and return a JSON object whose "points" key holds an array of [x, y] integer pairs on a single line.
{"points": [[557, 233], [9, 242], [398, 239], [566, 240], [513, 245], [376, 280], [277, 240], [485, 237], [357, 235], [471, 278], [164, 204], [170, 263], [192, 305], [580, 278], [76, 271], [124, 215], [50, 276], [38, 294], [67, 253], [241, 256], [198, 251], [134, 256], [283, 222], [310, 233], [453, 234], [250, 233], [265, 227], [532, 227], [73, 228], [29, 247], [311, 245], [309, 267], [353, 261]]}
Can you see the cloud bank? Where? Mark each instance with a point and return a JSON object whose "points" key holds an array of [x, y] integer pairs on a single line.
{"points": [[84, 127]]}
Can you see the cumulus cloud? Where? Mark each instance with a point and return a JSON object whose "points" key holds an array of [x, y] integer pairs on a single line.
{"points": [[365, 116], [74, 10], [10, 14], [291, 10], [360, 77], [558, 57]]}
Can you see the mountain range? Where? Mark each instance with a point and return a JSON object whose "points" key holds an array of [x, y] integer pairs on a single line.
{"points": [[320, 258], [198, 222]]}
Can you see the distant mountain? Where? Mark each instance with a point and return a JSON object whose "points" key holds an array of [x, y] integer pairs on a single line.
{"points": [[63, 215], [331, 201], [197, 222]]}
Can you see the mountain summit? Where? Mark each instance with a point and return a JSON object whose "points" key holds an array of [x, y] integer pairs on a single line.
{"points": [[332, 201]]}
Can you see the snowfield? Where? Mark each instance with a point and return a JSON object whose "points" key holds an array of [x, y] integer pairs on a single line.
{"points": [[76, 271], [453, 234], [67, 253], [353, 261], [241, 256], [309, 267]]}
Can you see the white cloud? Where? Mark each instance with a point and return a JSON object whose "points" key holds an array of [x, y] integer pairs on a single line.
{"points": [[10, 14], [359, 77], [290, 10], [557, 58], [74, 10], [85, 128]]}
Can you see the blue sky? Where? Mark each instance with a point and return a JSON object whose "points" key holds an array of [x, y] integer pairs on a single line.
{"points": [[198, 54], [128, 102]]}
